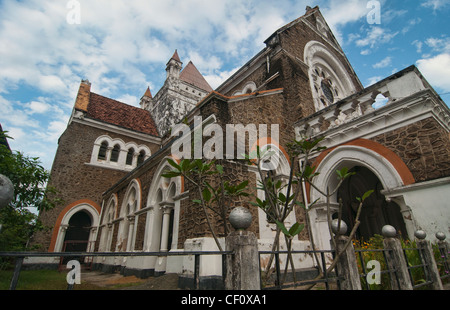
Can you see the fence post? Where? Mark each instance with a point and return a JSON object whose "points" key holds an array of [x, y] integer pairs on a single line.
{"points": [[346, 263], [444, 251], [426, 253], [17, 268], [243, 266], [395, 259]]}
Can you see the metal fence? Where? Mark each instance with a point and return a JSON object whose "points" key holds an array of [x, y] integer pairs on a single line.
{"points": [[419, 270], [387, 276], [20, 256], [443, 262], [284, 278]]}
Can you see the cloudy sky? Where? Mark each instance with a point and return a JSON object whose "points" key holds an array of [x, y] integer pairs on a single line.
{"points": [[122, 46]]}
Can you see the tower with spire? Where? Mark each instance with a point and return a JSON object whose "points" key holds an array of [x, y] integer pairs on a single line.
{"points": [[182, 90]]}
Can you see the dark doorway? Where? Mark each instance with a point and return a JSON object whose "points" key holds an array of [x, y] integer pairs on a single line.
{"points": [[77, 234], [376, 211]]}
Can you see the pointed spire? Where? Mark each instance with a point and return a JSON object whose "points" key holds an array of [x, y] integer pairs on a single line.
{"points": [[175, 56], [148, 93], [146, 99], [174, 65]]}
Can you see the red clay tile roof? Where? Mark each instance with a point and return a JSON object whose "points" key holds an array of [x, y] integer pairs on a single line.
{"points": [[191, 75], [120, 114]]}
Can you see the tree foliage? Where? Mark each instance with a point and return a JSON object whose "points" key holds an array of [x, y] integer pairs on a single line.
{"points": [[30, 180]]}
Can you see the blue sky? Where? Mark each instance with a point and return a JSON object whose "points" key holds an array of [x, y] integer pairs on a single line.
{"points": [[122, 47]]}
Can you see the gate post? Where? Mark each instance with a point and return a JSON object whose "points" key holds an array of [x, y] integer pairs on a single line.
{"points": [[242, 267], [395, 259], [346, 264], [426, 253]]}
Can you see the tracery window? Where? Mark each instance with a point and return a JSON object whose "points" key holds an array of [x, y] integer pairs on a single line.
{"points": [[326, 89]]}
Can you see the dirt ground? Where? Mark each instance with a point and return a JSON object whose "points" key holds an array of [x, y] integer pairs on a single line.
{"points": [[116, 281]]}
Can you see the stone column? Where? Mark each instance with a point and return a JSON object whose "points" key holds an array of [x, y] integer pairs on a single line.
{"points": [[395, 259], [243, 266], [167, 208]]}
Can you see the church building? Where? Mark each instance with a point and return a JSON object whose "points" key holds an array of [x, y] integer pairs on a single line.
{"points": [[111, 159]]}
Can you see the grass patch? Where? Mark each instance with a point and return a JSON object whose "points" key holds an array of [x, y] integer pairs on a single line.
{"points": [[41, 280]]}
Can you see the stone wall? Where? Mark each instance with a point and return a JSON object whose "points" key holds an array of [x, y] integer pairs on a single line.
{"points": [[73, 176], [424, 147]]}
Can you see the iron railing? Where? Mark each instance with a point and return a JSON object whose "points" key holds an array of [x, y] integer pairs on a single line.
{"points": [[20, 256], [278, 284], [417, 270], [364, 272], [444, 262]]}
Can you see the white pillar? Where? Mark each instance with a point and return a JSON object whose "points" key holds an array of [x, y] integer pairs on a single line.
{"points": [[167, 208]]}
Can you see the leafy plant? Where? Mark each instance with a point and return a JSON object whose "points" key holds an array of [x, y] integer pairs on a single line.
{"points": [[216, 197]]}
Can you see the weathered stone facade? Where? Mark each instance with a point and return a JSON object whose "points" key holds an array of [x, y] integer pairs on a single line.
{"points": [[424, 147], [301, 82]]}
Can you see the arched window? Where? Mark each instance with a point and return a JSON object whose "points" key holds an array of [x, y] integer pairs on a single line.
{"points": [[141, 157], [102, 151], [123, 156], [115, 153], [130, 156], [329, 79]]}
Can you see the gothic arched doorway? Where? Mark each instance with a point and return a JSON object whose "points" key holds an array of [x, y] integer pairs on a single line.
{"points": [[78, 232], [376, 211]]}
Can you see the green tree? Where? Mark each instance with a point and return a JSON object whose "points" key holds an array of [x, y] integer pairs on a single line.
{"points": [[30, 180]]}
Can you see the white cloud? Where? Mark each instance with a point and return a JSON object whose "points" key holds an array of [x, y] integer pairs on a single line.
{"points": [[383, 63], [418, 44], [439, 44], [215, 80], [375, 37], [436, 70], [373, 80], [38, 107], [340, 13], [435, 4]]}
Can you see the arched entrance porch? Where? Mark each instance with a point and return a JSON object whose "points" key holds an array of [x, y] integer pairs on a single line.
{"points": [[380, 168]]}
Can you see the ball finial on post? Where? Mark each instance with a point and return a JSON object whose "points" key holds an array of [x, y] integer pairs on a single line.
{"points": [[440, 236], [6, 191], [420, 234], [240, 218], [388, 231], [335, 226]]}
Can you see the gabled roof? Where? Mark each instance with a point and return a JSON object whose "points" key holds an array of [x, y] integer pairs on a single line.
{"points": [[192, 76], [120, 114]]}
